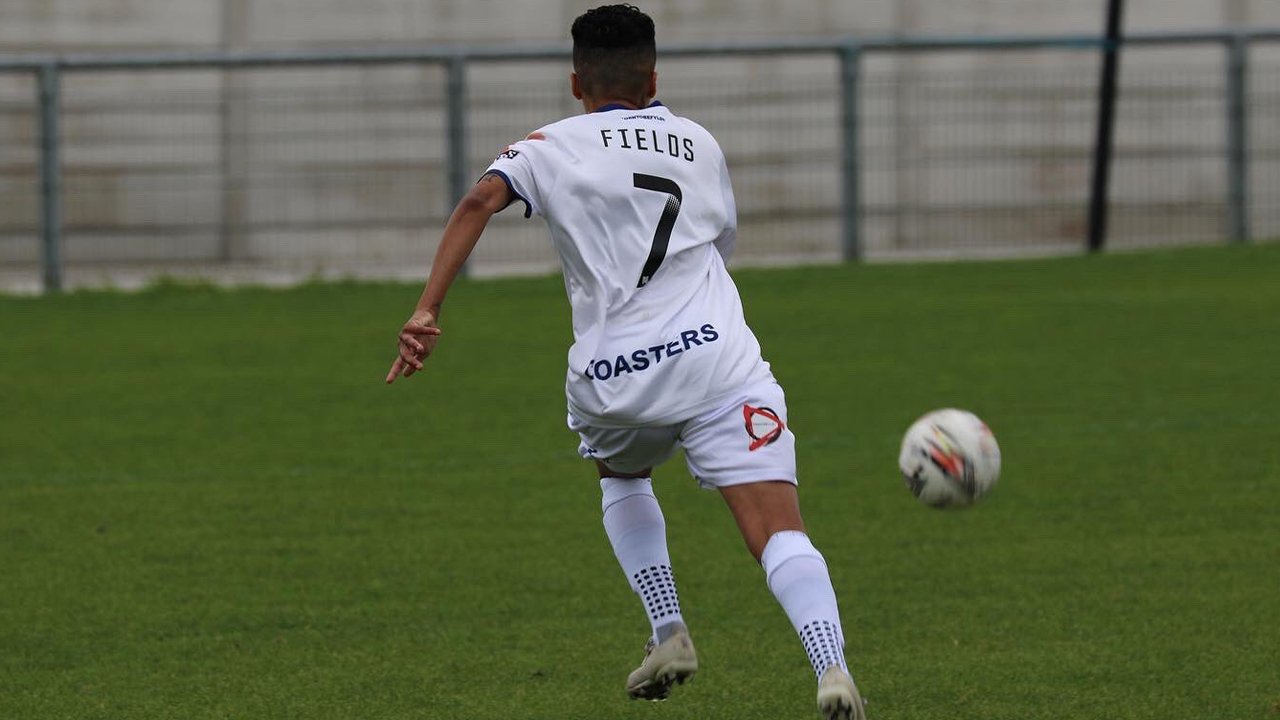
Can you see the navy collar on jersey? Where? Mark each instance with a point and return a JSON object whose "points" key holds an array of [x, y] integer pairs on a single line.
{"points": [[620, 106]]}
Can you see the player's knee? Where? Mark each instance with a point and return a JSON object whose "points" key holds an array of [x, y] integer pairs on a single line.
{"points": [[607, 472], [616, 489], [785, 546]]}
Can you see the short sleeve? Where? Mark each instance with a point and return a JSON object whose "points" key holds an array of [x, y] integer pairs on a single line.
{"points": [[729, 235], [522, 168]]}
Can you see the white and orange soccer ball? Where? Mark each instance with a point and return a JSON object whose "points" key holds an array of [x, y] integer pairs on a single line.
{"points": [[949, 459]]}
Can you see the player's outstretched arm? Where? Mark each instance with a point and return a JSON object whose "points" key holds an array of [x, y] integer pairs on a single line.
{"points": [[418, 336]]}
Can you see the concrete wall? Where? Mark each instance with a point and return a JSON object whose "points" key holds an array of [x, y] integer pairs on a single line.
{"points": [[133, 24], [335, 168]]}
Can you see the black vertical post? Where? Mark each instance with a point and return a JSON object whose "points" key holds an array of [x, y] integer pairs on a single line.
{"points": [[1106, 122], [1238, 138], [49, 94], [850, 148]]}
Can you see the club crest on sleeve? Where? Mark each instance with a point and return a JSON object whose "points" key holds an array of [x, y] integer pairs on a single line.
{"points": [[507, 154], [763, 426]]}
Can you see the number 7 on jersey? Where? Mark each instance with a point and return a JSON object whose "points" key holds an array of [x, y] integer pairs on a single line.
{"points": [[662, 235]]}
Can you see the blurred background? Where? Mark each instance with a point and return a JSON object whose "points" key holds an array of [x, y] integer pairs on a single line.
{"points": [[270, 173]]}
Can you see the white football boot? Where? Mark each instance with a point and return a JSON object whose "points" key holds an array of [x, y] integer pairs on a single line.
{"points": [[671, 662], [838, 697]]}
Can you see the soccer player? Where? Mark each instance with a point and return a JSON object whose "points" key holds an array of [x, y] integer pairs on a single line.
{"points": [[642, 215]]}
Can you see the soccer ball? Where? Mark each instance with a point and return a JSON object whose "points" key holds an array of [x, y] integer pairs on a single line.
{"points": [[949, 459]]}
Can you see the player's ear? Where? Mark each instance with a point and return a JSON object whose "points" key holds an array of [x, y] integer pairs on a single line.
{"points": [[575, 86], [653, 84]]}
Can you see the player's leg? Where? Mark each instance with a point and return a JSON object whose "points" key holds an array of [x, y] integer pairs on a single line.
{"points": [[768, 514], [747, 452], [762, 510], [637, 531]]}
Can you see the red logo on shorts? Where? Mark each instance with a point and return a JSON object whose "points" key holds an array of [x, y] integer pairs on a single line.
{"points": [[763, 425]]}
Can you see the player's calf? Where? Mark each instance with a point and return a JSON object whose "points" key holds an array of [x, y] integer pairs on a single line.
{"points": [[797, 574], [636, 529]]}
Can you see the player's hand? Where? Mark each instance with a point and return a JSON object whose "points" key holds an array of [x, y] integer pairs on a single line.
{"points": [[417, 339]]}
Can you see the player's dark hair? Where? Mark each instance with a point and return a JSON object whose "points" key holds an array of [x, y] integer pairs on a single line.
{"points": [[614, 51]]}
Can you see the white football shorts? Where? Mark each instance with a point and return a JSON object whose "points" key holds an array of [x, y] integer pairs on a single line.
{"points": [[745, 440]]}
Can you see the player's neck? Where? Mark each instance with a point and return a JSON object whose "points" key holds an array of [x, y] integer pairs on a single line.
{"points": [[591, 104]]}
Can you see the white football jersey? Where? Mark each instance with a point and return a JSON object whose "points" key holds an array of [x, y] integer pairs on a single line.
{"points": [[642, 215]]}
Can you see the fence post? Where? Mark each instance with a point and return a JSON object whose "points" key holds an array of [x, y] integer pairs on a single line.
{"points": [[1238, 138], [850, 150], [1099, 199], [48, 90], [457, 133]]}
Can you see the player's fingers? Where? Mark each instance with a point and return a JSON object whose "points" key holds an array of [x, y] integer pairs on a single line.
{"points": [[410, 370], [411, 342], [409, 357], [415, 329], [395, 370]]}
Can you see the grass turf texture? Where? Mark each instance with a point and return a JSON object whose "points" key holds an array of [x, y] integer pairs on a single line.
{"points": [[212, 507]]}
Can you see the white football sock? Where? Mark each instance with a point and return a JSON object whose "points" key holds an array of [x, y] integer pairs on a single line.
{"points": [[797, 575], [633, 520]]}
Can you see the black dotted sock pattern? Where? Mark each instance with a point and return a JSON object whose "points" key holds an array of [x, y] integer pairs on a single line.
{"points": [[658, 590], [821, 641]]}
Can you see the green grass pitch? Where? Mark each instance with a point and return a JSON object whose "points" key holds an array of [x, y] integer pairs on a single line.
{"points": [[211, 506]]}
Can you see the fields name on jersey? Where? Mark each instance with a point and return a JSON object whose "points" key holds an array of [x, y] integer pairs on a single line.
{"points": [[646, 140], [639, 360]]}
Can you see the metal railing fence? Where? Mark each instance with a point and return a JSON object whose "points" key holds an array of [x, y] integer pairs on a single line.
{"points": [[840, 149]]}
